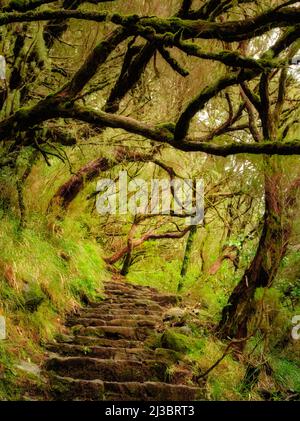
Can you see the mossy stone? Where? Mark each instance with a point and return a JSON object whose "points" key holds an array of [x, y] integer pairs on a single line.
{"points": [[171, 339]]}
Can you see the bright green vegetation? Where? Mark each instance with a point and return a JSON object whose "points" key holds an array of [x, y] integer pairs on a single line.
{"points": [[46, 271], [51, 267], [42, 278], [170, 90]]}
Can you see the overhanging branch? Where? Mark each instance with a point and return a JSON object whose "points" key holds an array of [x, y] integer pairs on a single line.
{"points": [[163, 135], [198, 103], [156, 133], [226, 31]]}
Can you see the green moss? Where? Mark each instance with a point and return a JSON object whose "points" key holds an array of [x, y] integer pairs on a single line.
{"points": [[168, 355], [41, 50], [172, 339], [33, 297], [169, 126]]}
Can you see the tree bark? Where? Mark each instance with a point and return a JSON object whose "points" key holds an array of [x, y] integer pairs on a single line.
{"points": [[264, 267], [136, 242], [187, 255], [128, 259], [71, 188]]}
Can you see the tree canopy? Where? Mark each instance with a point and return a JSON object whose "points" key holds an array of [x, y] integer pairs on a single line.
{"points": [[175, 90]]}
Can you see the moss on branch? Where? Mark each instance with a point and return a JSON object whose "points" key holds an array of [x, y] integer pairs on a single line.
{"points": [[213, 90], [226, 31], [51, 108]]}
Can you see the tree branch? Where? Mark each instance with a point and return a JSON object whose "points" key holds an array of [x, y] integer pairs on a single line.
{"points": [[146, 237], [210, 92], [226, 31], [91, 65], [130, 75]]}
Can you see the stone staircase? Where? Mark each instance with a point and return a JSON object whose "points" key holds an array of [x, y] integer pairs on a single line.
{"points": [[106, 356]]}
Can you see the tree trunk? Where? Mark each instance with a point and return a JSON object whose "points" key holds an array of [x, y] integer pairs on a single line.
{"points": [[68, 191], [263, 268], [187, 255], [127, 260]]}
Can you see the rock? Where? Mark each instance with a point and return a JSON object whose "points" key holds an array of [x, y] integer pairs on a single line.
{"points": [[174, 313], [180, 375], [185, 330], [29, 367], [33, 296], [65, 256], [172, 339]]}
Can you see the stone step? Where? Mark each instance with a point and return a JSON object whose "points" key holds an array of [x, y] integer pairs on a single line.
{"points": [[115, 353], [107, 352], [127, 296], [119, 313], [95, 341], [86, 368], [106, 359], [66, 388], [150, 391], [115, 332], [132, 305], [126, 292], [124, 302], [128, 286], [131, 291], [113, 322], [162, 299], [128, 315]]}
